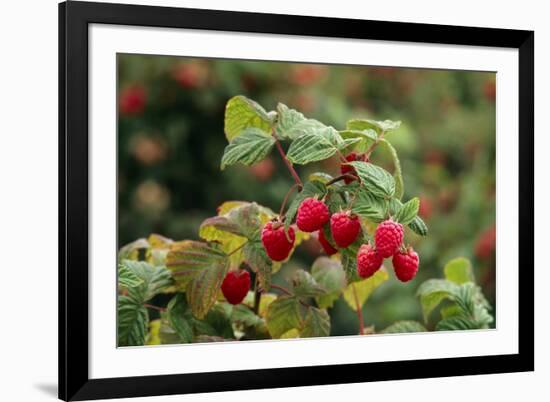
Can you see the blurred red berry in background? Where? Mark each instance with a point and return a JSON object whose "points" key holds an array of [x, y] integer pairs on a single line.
{"points": [[263, 170], [132, 100], [307, 74], [190, 75], [426, 207], [485, 244], [490, 90]]}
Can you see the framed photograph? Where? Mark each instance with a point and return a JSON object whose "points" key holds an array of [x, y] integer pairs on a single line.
{"points": [[257, 201]]}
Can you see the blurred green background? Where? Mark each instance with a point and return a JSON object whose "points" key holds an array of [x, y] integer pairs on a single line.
{"points": [[171, 139]]}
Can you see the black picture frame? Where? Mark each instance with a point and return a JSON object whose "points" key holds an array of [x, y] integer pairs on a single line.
{"points": [[74, 19]]}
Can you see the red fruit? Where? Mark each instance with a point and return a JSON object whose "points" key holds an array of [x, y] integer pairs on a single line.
{"points": [[275, 242], [132, 100], [190, 75], [485, 244], [263, 170], [326, 245], [312, 215], [344, 228], [347, 169], [405, 264], [388, 237], [368, 261], [235, 286]]}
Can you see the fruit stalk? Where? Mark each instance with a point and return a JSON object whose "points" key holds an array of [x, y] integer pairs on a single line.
{"points": [[359, 310], [288, 164]]}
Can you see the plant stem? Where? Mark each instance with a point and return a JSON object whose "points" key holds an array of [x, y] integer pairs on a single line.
{"points": [[359, 310], [162, 309], [340, 178], [374, 144], [257, 296], [288, 164], [295, 185]]}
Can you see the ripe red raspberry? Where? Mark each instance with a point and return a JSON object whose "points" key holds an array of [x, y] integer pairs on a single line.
{"points": [[405, 264], [326, 245], [344, 228], [132, 100], [368, 261], [347, 169], [275, 242], [235, 286], [312, 215], [388, 237]]}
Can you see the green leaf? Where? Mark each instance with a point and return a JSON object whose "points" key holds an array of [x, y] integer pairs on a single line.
{"points": [[329, 274], [257, 259], [365, 138], [348, 257], [250, 147], [473, 304], [459, 271], [377, 180], [305, 285], [456, 323], [216, 323], [199, 269], [321, 177], [241, 113], [404, 326], [317, 323], [364, 288], [283, 315], [397, 173], [127, 278], [378, 126], [132, 321], [180, 318], [242, 314], [418, 226], [154, 279], [292, 124], [367, 205], [408, 211], [434, 291], [318, 146], [203, 289], [311, 189]]}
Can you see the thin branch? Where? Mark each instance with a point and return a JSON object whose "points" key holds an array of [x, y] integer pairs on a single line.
{"points": [[359, 310], [374, 144], [295, 185], [341, 177], [257, 296], [288, 164], [162, 309]]}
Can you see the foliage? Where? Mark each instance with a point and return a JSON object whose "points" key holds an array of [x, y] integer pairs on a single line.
{"points": [[192, 271]]}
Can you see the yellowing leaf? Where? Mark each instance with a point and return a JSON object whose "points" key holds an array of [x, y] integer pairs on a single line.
{"points": [[364, 288]]}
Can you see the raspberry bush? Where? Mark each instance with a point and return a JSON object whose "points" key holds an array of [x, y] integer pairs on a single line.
{"points": [[221, 285]]}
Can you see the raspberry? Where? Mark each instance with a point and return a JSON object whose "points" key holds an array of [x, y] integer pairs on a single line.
{"points": [[235, 286], [344, 228], [132, 100], [275, 242], [326, 245], [388, 237], [312, 215], [347, 169], [368, 261], [405, 264]]}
